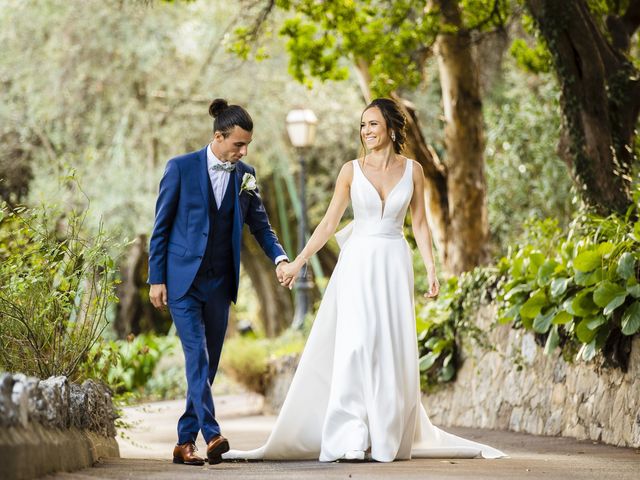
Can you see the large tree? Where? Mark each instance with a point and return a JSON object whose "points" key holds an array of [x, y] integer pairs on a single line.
{"points": [[387, 44], [590, 43]]}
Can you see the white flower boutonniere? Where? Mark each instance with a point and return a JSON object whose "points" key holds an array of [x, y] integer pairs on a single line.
{"points": [[249, 183]]}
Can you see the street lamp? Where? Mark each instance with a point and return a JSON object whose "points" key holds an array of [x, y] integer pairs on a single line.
{"points": [[301, 127]]}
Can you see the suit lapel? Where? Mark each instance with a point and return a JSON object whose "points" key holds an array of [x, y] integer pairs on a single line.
{"points": [[205, 181]]}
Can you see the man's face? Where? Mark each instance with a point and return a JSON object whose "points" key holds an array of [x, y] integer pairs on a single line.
{"points": [[233, 147]]}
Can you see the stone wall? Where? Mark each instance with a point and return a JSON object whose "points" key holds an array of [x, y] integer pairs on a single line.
{"points": [[546, 396], [50, 425]]}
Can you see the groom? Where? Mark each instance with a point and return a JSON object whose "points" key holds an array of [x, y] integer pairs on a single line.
{"points": [[194, 261]]}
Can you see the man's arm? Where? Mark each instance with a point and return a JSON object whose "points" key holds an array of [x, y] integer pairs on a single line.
{"points": [[166, 206], [260, 227]]}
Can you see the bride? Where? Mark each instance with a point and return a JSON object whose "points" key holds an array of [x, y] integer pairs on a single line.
{"points": [[357, 387]]}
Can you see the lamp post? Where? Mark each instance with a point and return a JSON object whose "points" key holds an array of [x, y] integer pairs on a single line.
{"points": [[301, 127]]}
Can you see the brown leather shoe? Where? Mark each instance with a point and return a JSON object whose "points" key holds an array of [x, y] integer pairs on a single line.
{"points": [[215, 448], [186, 453]]}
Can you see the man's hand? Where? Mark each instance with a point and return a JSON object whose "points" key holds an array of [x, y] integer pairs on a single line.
{"points": [[289, 273], [158, 295], [281, 269]]}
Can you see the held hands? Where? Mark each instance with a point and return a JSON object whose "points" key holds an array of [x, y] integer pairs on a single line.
{"points": [[287, 272], [158, 295], [434, 287]]}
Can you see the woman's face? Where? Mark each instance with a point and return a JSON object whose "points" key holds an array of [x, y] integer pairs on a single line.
{"points": [[373, 129]]}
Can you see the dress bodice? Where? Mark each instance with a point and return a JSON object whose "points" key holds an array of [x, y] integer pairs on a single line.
{"points": [[372, 216]]}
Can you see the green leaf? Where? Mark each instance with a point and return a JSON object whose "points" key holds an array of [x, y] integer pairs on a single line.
{"points": [[615, 303], [588, 279], [545, 271], [583, 332], [587, 261], [542, 322], [588, 351], [534, 304], [634, 290], [448, 371], [511, 314], [594, 322], [553, 340], [626, 266], [605, 248], [631, 319], [428, 360], [609, 295], [559, 286], [561, 318], [522, 287], [583, 305]]}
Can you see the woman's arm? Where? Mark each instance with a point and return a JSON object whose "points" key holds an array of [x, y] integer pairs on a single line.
{"points": [[327, 226], [421, 231]]}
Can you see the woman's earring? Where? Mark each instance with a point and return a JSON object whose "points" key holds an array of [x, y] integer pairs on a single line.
{"points": [[393, 136]]}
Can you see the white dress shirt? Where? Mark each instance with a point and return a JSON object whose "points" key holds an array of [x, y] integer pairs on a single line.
{"points": [[219, 178], [220, 182]]}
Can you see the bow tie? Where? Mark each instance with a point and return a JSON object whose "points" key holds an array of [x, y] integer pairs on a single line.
{"points": [[226, 166]]}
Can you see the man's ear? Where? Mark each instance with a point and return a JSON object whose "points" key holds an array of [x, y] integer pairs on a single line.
{"points": [[217, 136]]}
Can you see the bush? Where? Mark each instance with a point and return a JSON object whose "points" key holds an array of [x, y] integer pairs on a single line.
{"points": [[440, 323], [247, 359], [129, 366], [577, 289], [56, 286], [580, 291]]}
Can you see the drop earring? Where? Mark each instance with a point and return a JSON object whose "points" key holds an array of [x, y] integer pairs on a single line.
{"points": [[393, 136]]}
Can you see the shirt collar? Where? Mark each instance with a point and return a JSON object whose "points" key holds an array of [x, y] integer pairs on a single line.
{"points": [[211, 158]]}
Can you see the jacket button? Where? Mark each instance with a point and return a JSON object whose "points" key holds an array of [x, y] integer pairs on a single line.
{"points": [[204, 234], [199, 256]]}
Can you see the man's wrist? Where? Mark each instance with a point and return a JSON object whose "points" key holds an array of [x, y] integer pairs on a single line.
{"points": [[280, 259]]}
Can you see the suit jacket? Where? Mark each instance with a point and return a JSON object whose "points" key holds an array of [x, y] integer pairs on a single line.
{"points": [[181, 228]]}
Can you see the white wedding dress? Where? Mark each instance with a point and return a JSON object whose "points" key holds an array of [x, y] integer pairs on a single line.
{"points": [[357, 384]]}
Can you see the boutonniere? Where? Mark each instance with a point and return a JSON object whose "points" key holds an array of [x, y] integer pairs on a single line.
{"points": [[249, 183]]}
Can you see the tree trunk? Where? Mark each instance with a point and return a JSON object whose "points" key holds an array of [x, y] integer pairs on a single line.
{"points": [[276, 306], [600, 98], [468, 231], [455, 193], [135, 314], [436, 191]]}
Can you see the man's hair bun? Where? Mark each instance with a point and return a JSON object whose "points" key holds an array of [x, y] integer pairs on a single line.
{"points": [[217, 107]]}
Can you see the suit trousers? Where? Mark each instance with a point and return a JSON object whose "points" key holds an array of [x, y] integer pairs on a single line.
{"points": [[201, 318]]}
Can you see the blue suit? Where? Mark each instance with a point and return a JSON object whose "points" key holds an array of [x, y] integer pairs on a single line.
{"points": [[195, 250]]}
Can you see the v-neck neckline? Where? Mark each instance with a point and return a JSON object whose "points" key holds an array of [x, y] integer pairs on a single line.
{"points": [[383, 201]]}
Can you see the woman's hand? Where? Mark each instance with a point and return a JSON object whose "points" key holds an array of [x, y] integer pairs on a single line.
{"points": [[434, 287], [290, 272]]}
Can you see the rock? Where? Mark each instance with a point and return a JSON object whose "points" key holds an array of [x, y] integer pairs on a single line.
{"points": [[560, 370], [516, 419], [529, 348], [20, 398], [553, 425], [55, 391], [8, 410]]}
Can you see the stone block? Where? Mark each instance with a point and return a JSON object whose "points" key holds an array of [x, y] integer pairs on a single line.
{"points": [[553, 425], [529, 348], [9, 414], [55, 391], [20, 398]]}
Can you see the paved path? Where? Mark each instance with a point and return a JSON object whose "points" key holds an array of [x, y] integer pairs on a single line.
{"points": [[147, 444]]}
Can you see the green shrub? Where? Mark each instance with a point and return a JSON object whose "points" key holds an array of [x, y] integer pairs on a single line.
{"points": [[580, 290], [57, 283], [128, 366], [577, 289], [441, 322], [246, 359]]}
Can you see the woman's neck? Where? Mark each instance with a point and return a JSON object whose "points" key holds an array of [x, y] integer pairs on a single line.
{"points": [[382, 158]]}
